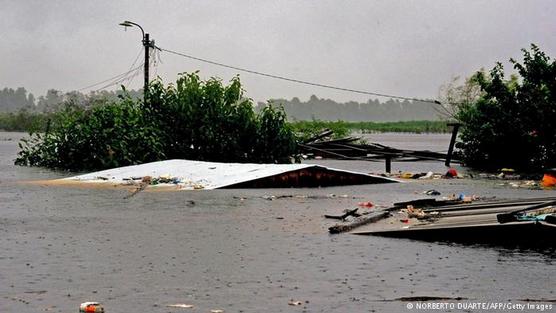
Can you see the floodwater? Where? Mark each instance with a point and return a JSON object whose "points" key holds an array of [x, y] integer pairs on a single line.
{"points": [[236, 251]]}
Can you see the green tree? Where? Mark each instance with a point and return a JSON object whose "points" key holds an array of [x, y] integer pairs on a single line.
{"points": [[191, 119], [513, 122]]}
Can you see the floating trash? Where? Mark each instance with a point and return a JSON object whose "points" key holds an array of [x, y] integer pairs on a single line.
{"points": [[549, 179], [451, 173], [366, 204], [181, 305], [295, 302], [91, 307]]}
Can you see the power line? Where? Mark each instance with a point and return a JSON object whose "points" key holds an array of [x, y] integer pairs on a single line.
{"points": [[131, 69], [129, 75], [111, 78], [129, 80], [297, 80]]}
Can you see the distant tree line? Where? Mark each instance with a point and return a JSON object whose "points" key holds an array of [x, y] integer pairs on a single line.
{"points": [[18, 99], [370, 111]]}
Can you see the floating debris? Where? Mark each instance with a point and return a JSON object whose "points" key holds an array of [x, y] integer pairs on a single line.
{"points": [[345, 215], [181, 305], [295, 302], [451, 173], [549, 179], [518, 222], [91, 307], [366, 204]]}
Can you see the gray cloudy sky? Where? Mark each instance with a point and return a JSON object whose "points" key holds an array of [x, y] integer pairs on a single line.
{"points": [[406, 48]]}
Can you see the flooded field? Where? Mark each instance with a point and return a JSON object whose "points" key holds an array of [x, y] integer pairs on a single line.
{"points": [[237, 251]]}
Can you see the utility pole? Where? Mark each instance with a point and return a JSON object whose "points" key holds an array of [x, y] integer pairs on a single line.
{"points": [[148, 44]]}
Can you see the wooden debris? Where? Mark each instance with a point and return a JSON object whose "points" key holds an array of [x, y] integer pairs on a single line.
{"points": [[360, 221], [348, 148], [345, 215]]}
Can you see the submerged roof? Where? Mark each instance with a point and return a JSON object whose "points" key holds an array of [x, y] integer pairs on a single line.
{"points": [[211, 175]]}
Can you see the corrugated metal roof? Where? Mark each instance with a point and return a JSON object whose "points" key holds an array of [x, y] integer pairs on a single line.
{"points": [[205, 175]]}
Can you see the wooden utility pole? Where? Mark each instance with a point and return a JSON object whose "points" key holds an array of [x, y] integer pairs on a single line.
{"points": [[455, 130], [147, 45]]}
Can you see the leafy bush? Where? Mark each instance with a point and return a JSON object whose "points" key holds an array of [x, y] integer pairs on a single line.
{"points": [[513, 123], [205, 120], [24, 120], [308, 129], [108, 135], [193, 119]]}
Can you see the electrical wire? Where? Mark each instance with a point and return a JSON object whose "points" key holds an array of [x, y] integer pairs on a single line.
{"points": [[130, 79], [154, 57], [137, 57], [109, 79], [117, 77], [299, 81], [122, 79]]}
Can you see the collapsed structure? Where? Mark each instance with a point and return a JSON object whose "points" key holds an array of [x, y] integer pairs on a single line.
{"points": [[188, 175]]}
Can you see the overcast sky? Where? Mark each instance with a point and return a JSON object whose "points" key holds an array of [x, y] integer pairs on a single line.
{"points": [[407, 48]]}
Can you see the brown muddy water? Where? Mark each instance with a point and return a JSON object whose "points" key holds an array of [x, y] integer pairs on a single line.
{"points": [[236, 251]]}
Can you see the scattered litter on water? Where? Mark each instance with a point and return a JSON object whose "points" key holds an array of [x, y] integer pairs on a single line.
{"points": [[91, 307], [549, 178], [181, 305], [328, 196], [414, 213], [451, 173], [419, 175], [366, 204], [428, 175], [295, 302], [527, 184], [347, 213]]}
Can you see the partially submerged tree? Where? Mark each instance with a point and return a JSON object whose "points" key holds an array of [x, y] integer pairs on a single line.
{"points": [[513, 122], [457, 95], [193, 119]]}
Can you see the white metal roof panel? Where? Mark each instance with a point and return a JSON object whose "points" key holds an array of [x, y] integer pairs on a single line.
{"points": [[208, 175]]}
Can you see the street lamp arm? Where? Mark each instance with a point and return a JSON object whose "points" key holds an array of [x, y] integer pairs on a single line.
{"points": [[130, 24]]}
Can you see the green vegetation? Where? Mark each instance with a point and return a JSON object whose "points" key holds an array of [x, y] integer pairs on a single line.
{"points": [[402, 127], [24, 121], [511, 122], [193, 119], [307, 129]]}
